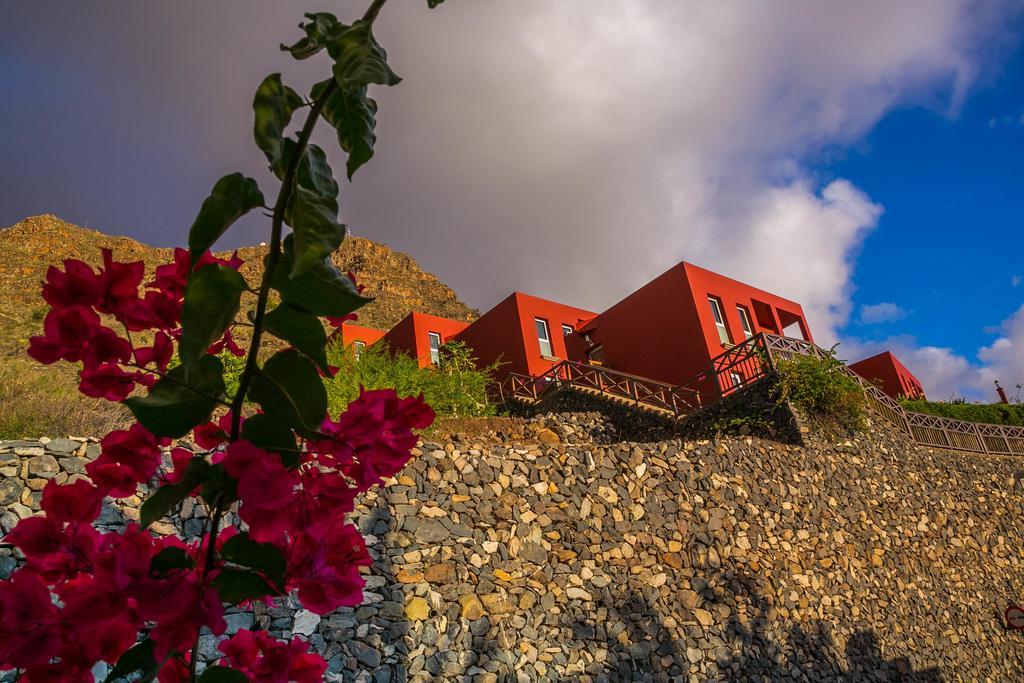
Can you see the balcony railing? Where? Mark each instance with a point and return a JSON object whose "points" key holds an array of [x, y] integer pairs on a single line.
{"points": [[745, 364]]}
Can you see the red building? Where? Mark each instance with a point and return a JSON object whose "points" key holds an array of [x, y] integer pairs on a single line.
{"points": [[525, 334], [421, 336], [890, 375], [360, 336], [671, 328]]}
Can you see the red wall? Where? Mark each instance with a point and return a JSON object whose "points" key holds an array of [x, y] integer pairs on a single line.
{"points": [[352, 333], [507, 333], [666, 331], [410, 335], [890, 375]]}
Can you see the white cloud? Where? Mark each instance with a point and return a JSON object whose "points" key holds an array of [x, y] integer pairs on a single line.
{"points": [[1016, 280], [871, 314], [577, 149], [945, 373]]}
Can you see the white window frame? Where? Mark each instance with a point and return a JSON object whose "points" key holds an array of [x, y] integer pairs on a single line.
{"points": [[539, 324], [745, 322], [718, 315], [435, 349], [737, 380], [567, 329], [358, 347]]}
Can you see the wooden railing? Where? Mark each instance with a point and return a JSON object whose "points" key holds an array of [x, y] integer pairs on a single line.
{"points": [[746, 363], [927, 430], [640, 390]]}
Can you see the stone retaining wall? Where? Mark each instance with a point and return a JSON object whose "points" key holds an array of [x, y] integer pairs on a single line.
{"points": [[557, 558]]}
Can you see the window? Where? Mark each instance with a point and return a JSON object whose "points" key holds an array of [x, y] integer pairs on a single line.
{"points": [[716, 311], [567, 330], [543, 337], [748, 329], [435, 347], [737, 381], [358, 347]]}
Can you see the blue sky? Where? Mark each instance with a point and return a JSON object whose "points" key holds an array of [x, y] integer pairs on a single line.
{"points": [[949, 249], [860, 158]]}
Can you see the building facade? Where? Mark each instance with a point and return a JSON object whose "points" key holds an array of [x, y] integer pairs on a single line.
{"points": [[671, 328], [358, 336], [885, 371], [421, 336], [523, 334]]}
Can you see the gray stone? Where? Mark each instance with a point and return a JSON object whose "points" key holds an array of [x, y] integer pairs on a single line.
{"points": [[45, 466], [305, 622], [10, 490]]}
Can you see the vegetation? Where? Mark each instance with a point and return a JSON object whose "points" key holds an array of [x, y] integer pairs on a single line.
{"points": [[44, 401], [455, 388], [820, 388], [992, 413]]}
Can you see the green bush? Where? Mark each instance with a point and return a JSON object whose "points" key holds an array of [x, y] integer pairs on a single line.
{"points": [[455, 388], [820, 388], [992, 413]]}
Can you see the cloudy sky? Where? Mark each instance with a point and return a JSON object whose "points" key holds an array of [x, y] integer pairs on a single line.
{"points": [[862, 158]]}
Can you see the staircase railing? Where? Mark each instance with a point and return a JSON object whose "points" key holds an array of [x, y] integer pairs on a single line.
{"points": [[744, 364]]}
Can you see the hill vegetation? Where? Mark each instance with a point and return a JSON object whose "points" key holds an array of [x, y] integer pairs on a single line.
{"points": [[37, 400]]}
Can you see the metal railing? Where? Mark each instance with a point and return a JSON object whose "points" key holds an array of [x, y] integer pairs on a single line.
{"points": [[741, 366]]}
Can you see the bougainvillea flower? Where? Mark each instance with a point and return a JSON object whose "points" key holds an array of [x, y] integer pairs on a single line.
{"points": [[120, 283], [79, 501], [127, 458], [28, 635], [213, 434], [324, 567], [373, 437], [55, 551], [108, 381], [77, 285], [264, 659], [265, 487]]}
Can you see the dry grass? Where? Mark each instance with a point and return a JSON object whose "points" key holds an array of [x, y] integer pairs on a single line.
{"points": [[36, 400]]}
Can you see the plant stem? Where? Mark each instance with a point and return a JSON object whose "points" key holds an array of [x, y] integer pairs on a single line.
{"points": [[263, 298]]}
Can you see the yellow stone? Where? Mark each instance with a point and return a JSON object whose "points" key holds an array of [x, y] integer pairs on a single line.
{"points": [[417, 609], [502, 575], [472, 608]]}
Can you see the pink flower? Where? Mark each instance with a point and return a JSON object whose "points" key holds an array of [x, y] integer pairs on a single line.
{"points": [[77, 285], [226, 342], [265, 487], [128, 458], [120, 283], [373, 438], [29, 636], [107, 381], [264, 659], [211, 435], [55, 551], [324, 567], [159, 354], [76, 502]]}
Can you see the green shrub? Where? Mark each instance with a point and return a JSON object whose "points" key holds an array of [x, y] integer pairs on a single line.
{"points": [[820, 388], [455, 388], [992, 413]]}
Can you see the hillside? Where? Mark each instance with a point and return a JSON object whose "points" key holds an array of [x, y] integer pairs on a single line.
{"points": [[29, 247]]}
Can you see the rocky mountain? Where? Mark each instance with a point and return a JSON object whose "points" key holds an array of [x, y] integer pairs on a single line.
{"points": [[29, 247]]}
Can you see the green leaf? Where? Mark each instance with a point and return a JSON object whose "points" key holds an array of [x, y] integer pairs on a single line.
{"points": [[217, 484], [353, 116], [273, 106], [314, 221], [231, 198], [433, 3], [318, 29], [302, 330], [358, 58], [289, 389], [263, 557], [212, 299], [167, 497], [322, 290], [239, 585], [315, 174], [272, 435], [179, 402], [222, 674], [169, 559], [138, 659]]}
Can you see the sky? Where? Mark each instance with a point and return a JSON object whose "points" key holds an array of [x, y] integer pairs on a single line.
{"points": [[861, 158]]}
